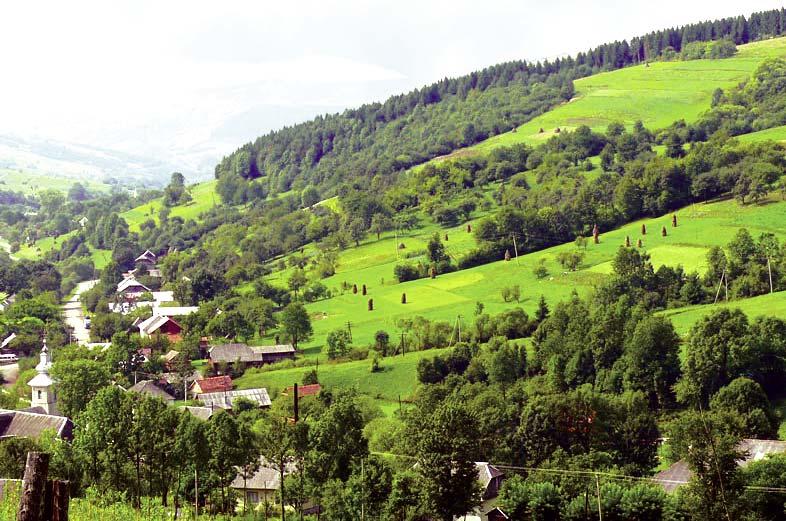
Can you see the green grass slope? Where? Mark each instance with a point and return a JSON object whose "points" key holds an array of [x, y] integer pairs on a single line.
{"points": [[658, 95], [700, 227], [31, 183]]}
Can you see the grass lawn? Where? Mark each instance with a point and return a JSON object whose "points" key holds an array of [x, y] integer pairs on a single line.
{"points": [[398, 378], [658, 95]]}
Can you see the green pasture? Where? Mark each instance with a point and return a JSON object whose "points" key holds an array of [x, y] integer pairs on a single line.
{"points": [[397, 379], [700, 227], [204, 198], [771, 134], [773, 304], [657, 94]]}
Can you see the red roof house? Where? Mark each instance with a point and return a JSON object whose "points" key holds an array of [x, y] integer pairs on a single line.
{"points": [[216, 384]]}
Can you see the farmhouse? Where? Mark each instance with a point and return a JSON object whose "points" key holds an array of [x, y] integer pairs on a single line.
{"points": [[216, 384], [226, 399], [254, 356], [203, 413], [679, 474], [148, 259], [149, 388], [263, 485], [131, 288], [30, 424], [160, 326]]}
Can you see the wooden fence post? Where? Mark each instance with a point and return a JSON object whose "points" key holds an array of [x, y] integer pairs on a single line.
{"points": [[33, 486], [60, 501]]}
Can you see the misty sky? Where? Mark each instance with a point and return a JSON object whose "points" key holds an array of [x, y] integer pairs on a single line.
{"points": [[170, 75]]}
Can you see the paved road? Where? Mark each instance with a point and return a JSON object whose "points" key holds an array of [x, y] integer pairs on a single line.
{"points": [[72, 310]]}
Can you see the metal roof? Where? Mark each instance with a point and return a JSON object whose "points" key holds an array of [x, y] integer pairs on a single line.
{"points": [[225, 400]]}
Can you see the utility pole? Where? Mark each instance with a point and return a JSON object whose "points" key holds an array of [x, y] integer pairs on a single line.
{"points": [[196, 492], [769, 270], [349, 329], [458, 321], [515, 248], [720, 282], [402, 344], [396, 244]]}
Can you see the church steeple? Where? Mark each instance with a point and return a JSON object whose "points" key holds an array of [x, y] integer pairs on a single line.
{"points": [[42, 384]]}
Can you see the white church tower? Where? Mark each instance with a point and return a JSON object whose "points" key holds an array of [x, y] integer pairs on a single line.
{"points": [[42, 384]]}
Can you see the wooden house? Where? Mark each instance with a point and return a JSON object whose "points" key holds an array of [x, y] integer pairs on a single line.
{"points": [[216, 384], [166, 326], [251, 356]]}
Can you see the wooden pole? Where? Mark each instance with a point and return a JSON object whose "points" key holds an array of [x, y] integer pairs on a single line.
{"points": [[33, 486], [61, 498], [515, 248], [769, 270]]}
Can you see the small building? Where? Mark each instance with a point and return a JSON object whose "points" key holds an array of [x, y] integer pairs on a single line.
{"points": [[253, 356], [262, 485], [170, 358], [33, 423], [149, 388], [148, 259], [173, 311], [216, 384], [203, 413], [4, 345], [226, 399], [679, 473], [131, 288], [161, 326], [490, 480]]}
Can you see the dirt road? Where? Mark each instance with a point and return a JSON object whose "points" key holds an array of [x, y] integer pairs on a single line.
{"points": [[74, 317]]}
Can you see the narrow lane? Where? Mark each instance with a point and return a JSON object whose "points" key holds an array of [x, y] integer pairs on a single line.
{"points": [[74, 317]]}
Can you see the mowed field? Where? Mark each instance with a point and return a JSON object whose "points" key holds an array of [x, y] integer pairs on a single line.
{"points": [[451, 295], [700, 227], [658, 95]]}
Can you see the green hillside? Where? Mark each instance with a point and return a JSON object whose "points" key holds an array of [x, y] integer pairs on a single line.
{"points": [[657, 94], [700, 227], [31, 183]]}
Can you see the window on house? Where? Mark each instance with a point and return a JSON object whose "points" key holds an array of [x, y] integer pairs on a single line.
{"points": [[253, 497], [39, 395]]}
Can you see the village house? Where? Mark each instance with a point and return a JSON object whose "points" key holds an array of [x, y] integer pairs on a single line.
{"points": [[149, 388], [160, 326], [263, 485], [170, 359], [203, 413], [490, 479], [679, 474], [227, 399], [148, 259], [216, 384], [31, 424], [251, 356], [131, 289]]}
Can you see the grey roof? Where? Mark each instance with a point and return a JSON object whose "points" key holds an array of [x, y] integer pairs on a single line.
{"points": [[203, 413], [246, 353], [226, 399], [487, 472], [149, 388], [679, 473], [265, 478], [32, 424]]}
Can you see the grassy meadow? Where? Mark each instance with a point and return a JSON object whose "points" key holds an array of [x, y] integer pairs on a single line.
{"points": [[657, 94], [700, 227]]}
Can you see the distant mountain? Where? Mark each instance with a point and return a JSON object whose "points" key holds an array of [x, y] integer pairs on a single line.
{"points": [[73, 160]]}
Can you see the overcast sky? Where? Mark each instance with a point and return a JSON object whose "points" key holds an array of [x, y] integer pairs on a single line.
{"points": [[143, 76]]}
